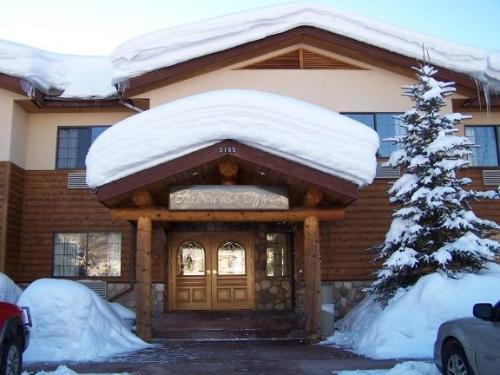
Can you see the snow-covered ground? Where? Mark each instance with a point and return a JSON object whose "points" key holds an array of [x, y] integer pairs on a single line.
{"points": [[405, 368], [407, 326], [71, 322], [63, 370]]}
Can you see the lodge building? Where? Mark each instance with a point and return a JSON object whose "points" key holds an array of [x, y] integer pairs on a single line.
{"points": [[228, 225]]}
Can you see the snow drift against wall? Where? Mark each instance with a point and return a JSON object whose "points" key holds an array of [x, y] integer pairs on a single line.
{"points": [[71, 322], [290, 128], [177, 44], [408, 325], [9, 291]]}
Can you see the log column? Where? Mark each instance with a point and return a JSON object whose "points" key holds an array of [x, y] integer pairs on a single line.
{"points": [[312, 278], [143, 278]]}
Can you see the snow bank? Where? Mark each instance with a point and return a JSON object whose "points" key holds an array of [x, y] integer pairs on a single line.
{"points": [[9, 291], [181, 43], [77, 76], [63, 370], [127, 316], [407, 326], [405, 368], [283, 126], [71, 322]]}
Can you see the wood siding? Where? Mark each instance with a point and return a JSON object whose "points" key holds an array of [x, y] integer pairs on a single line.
{"points": [[344, 243], [11, 202], [48, 206], [300, 59], [3, 206]]}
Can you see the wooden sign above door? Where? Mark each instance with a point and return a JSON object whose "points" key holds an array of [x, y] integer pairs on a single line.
{"points": [[232, 197]]}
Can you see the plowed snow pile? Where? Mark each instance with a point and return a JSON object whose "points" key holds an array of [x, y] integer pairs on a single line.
{"points": [[407, 326], [71, 322]]}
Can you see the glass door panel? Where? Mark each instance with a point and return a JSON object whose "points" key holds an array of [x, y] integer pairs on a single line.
{"points": [[231, 259]]}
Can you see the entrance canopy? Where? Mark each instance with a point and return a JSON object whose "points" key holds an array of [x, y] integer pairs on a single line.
{"points": [[306, 135]]}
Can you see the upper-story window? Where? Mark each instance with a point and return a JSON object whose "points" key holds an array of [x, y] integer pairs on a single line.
{"points": [[487, 138], [73, 143], [385, 124]]}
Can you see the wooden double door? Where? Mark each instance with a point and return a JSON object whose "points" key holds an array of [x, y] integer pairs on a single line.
{"points": [[211, 271]]}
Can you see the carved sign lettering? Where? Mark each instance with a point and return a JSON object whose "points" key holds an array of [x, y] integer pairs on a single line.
{"points": [[234, 197]]}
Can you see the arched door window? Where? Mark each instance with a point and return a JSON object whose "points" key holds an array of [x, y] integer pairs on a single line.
{"points": [[191, 259], [231, 258]]}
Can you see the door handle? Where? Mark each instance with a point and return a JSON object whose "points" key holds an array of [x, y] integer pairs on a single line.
{"points": [[214, 272], [208, 272]]}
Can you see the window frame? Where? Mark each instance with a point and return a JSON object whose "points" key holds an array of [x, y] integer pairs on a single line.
{"points": [[497, 142], [289, 260], [66, 127], [374, 115], [87, 277]]}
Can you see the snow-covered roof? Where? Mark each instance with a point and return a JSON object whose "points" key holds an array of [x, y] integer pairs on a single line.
{"points": [[286, 127], [83, 77], [95, 76], [170, 46]]}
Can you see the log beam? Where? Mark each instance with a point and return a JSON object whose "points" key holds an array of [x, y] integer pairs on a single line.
{"points": [[143, 278], [143, 198], [228, 170], [312, 277], [292, 215], [312, 197]]}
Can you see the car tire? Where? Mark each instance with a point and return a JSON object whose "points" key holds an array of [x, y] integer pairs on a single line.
{"points": [[454, 360], [11, 362]]}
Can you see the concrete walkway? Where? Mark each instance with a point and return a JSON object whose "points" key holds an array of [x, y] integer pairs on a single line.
{"points": [[229, 357]]}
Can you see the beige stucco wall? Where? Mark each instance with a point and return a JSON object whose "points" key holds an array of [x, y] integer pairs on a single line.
{"points": [[18, 136], [41, 137], [373, 89], [9, 113], [370, 90]]}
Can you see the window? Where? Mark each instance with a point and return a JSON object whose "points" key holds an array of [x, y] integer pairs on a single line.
{"points": [[487, 138], [384, 124], [87, 254], [277, 254], [74, 143], [191, 258], [231, 259]]}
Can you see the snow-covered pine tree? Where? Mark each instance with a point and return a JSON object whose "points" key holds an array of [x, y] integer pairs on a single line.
{"points": [[434, 228]]}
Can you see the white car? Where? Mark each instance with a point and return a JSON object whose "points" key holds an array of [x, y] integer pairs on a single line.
{"points": [[470, 346]]}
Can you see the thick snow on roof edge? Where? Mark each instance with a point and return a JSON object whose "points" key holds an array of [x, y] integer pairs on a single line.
{"points": [[94, 77], [290, 128], [177, 44], [87, 77]]}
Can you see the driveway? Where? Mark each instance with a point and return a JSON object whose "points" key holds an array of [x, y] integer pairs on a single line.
{"points": [[228, 357]]}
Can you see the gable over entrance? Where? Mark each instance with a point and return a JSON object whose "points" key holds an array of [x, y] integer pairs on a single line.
{"points": [[315, 158], [291, 129]]}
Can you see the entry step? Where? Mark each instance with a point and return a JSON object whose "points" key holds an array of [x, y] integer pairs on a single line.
{"points": [[234, 325]]}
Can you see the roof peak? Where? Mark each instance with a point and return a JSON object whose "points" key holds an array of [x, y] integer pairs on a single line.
{"points": [[95, 76]]}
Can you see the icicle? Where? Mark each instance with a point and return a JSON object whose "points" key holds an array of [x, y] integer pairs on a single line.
{"points": [[476, 81], [28, 88], [486, 93], [122, 86]]}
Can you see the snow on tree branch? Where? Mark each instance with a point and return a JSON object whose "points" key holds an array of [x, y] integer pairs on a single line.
{"points": [[435, 228]]}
